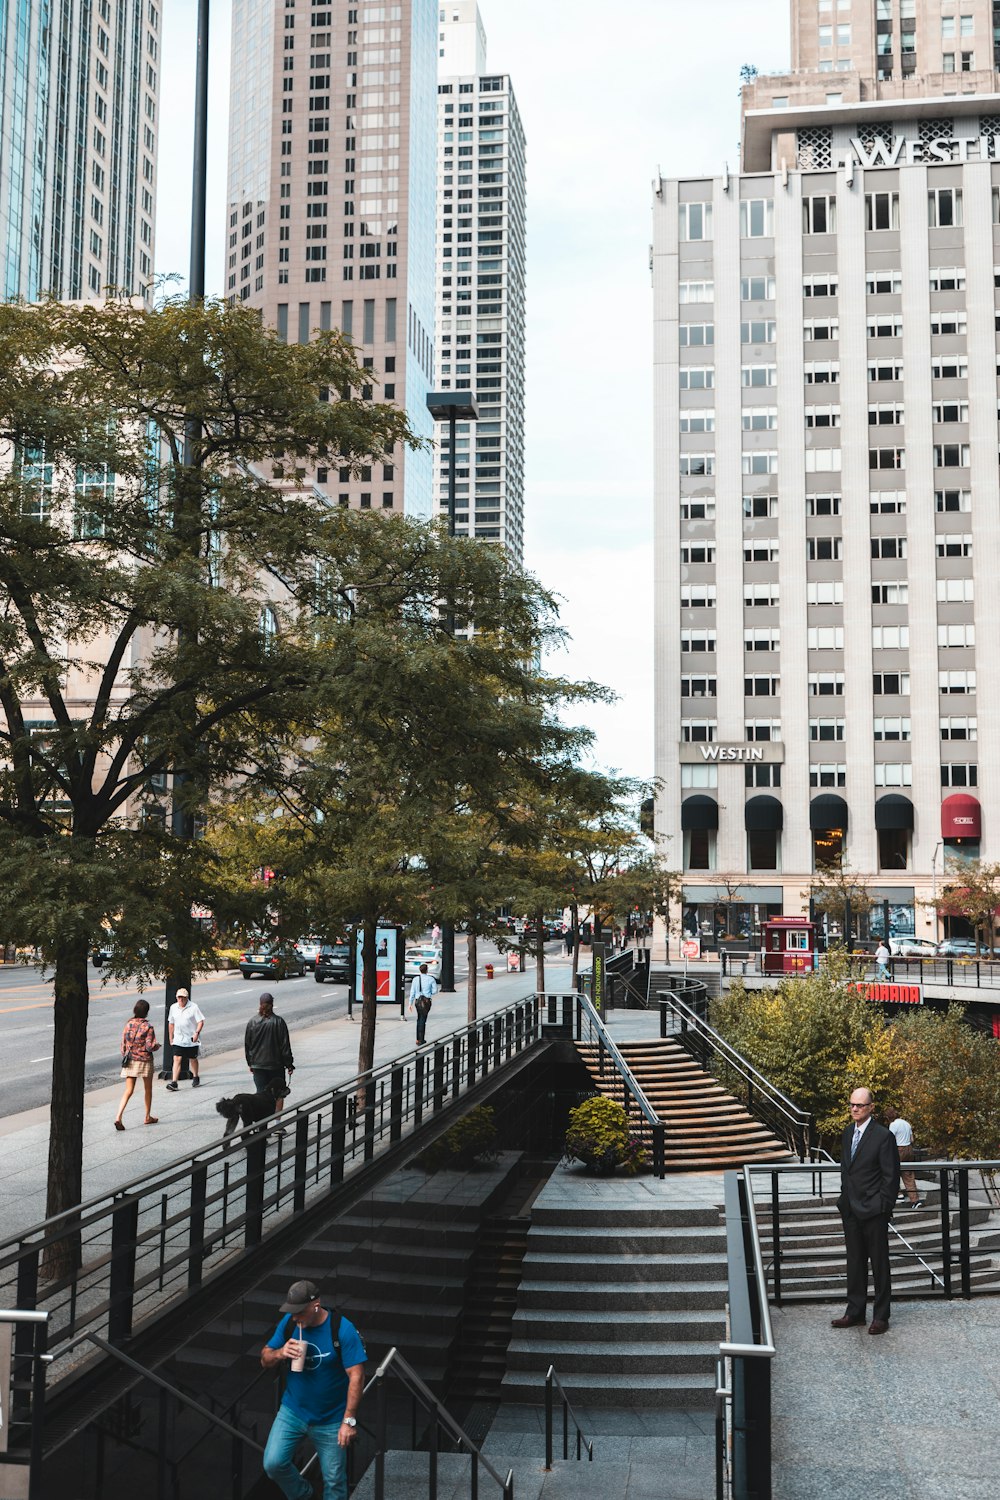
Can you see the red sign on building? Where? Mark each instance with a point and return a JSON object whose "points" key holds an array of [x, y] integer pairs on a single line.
{"points": [[891, 993]]}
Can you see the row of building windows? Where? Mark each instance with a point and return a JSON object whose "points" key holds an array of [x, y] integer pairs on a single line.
{"points": [[824, 460], [819, 214], [821, 372], [765, 418], [826, 284]]}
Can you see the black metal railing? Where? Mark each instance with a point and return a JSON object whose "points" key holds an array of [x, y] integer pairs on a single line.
{"points": [[948, 973], [395, 1367], [628, 980], [24, 1339], [694, 993], [119, 1259], [576, 1016], [948, 1262], [553, 1383], [743, 1371], [763, 1100]]}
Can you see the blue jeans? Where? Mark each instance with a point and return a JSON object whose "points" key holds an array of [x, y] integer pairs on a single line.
{"points": [[882, 973], [285, 1436]]}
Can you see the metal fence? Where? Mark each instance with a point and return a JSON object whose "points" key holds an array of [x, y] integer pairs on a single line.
{"points": [[119, 1259]]}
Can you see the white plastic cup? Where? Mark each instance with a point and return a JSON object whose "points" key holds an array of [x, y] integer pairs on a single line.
{"points": [[299, 1362]]}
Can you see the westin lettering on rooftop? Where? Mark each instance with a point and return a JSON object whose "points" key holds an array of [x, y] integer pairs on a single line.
{"points": [[905, 152]]}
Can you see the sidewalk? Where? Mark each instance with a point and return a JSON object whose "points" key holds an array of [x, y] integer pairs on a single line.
{"points": [[325, 1054]]}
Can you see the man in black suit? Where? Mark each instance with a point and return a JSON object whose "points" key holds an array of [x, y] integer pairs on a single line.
{"points": [[869, 1182]]}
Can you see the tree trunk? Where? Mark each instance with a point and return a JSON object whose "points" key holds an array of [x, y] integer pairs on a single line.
{"points": [[69, 1053], [369, 1003], [471, 944], [540, 953]]}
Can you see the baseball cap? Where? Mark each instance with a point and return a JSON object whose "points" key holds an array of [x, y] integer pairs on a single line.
{"points": [[300, 1294], [185, 993]]}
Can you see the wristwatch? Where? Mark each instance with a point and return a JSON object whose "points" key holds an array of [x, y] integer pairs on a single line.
{"points": [[350, 1421]]}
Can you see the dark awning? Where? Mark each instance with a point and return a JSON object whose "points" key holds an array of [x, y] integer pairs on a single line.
{"points": [[827, 811], [763, 814], [894, 811], [699, 813], [961, 817]]}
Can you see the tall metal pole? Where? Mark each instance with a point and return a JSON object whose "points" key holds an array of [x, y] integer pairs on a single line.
{"points": [[181, 820], [448, 928]]}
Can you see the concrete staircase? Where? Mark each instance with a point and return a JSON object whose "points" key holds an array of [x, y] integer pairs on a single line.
{"points": [[706, 1129], [663, 979], [626, 1300], [812, 1246]]}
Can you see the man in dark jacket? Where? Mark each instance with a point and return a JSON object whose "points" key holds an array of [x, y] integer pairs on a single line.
{"points": [[268, 1051], [869, 1182]]}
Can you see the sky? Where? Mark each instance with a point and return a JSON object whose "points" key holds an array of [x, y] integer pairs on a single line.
{"points": [[608, 95]]}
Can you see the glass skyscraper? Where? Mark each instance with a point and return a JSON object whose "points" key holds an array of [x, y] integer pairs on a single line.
{"points": [[78, 134]]}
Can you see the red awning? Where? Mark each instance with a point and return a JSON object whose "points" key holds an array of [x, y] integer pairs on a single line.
{"points": [[961, 817]]}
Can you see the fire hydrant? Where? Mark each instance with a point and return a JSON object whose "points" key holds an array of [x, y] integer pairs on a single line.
{"points": [[489, 971]]}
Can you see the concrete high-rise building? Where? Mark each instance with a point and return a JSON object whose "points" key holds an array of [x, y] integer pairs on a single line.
{"points": [[78, 136], [827, 484], [481, 280], [330, 220]]}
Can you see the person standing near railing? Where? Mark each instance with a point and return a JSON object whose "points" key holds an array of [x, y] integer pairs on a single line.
{"points": [[326, 1377], [903, 1132], [869, 1182], [422, 992]]}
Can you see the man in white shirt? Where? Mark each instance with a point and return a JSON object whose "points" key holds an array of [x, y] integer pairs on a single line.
{"points": [[882, 957], [903, 1131], [185, 1022], [422, 992]]}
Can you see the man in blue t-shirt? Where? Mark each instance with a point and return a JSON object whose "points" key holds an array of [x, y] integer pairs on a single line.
{"points": [[321, 1399]]}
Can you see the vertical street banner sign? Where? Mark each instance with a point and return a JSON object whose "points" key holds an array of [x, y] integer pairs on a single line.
{"points": [[599, 972]]}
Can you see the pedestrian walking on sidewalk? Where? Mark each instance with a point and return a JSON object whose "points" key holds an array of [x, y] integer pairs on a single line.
{"points": [[325, 1359], [882, 957], [268, 1050], [903, 1132], [422, 992], [185, 1024], [138, 1045]]}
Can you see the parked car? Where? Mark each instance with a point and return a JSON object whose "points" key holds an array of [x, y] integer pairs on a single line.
{"points": [[417, 956], [275, 961], [308, 949], [912, 947], [334, 963], [957, 948]]}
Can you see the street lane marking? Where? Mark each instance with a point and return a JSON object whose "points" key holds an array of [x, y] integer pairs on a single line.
{"points": [[47, 1058]]}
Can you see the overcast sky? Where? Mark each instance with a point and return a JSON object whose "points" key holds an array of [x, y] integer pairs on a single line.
{"points": [[607, 95]]}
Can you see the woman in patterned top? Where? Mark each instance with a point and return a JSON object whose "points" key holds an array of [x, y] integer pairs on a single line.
{"points": [[138, 1045]]}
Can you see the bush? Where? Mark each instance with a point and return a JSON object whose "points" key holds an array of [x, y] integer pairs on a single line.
{"points": [[946, 1079], [598, 1135], [469, 1143]]}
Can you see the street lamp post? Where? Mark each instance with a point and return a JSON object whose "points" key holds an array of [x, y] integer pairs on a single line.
{"points": [[181, 819], [937, 929], [451, 407]]}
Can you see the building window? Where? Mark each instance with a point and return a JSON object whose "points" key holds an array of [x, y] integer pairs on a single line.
{"points": [[826, 729], [828, 774], [959, 775], [881, 210], [697, 378], [696, 291], [828, 848], [695, 335], [695, 221], [944, 207], [699, 849], [948, 322], [756, 218], [893, 848], [763, 848], [819, 215], [757, 289]]}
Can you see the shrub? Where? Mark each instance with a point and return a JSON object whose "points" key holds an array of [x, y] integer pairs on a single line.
{"points": [[469, 1143], [598, 1135]]}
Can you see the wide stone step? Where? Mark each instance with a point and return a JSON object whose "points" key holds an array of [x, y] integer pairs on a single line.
{"points": [[647, 1268], [541, 1291], [572, 1358], [604, 1324], [667, 1392], [552, 1240], [625, 1212]]}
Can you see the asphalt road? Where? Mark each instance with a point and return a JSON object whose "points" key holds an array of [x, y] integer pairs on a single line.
{"points": [[227, 1000]]}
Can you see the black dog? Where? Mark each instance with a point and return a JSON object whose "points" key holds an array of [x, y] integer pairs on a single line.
{"points": [[245, 1109]]}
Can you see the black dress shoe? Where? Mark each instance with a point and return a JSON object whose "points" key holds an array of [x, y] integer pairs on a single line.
{"points": [[878, 1326], [846, 1322]]}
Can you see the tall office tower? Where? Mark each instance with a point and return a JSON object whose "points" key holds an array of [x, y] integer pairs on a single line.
{"points": [[330, 221], [481, 281], [78, 129], [827, 486]]}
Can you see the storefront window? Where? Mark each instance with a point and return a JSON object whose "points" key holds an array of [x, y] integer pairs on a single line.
{"points": [[828, 848]]}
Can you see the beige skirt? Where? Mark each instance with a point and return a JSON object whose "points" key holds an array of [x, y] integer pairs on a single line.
{"points": [[135, 1068]]}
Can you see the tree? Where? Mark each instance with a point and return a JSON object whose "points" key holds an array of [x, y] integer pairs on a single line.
{"points": [[946, 1080], [161, 562], [843, 895], [975, 895], [814, 1036], [426, 746]]}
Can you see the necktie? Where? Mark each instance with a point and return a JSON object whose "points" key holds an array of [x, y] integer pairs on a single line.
{"points": [[855, 1142]]}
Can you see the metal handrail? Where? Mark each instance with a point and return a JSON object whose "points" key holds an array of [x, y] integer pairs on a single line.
{"points": [[395, 1364], [71, 1219], [799, 1119], [765, 1346], [628, 1077], [551, 1378]]}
